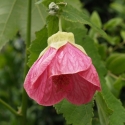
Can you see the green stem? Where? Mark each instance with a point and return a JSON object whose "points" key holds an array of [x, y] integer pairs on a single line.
{"points": [[114, 76], [60, 24], [28, 39], [9, 108]]}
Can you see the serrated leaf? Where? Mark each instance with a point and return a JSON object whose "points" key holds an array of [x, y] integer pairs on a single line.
{"points": [[71, 14], [52, 22], [13, 18], [38, 45], [118, 116], [103, 110], [75, 115]]}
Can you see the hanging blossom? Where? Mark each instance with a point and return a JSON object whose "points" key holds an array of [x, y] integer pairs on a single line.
{"points": [[62, 71]]}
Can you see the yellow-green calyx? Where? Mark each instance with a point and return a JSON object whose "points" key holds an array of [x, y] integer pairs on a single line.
{"points": [[60, 38]]}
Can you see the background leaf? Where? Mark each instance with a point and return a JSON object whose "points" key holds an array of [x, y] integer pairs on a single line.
{"points": [[72, 14], [123, 34], [96, 19], [117, 63], [13, 18], [113, 23], [8, 24]]}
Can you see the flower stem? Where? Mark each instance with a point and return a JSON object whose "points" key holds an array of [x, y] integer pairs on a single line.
{"points": [[60, 24], [28, 39], [9, 107]]}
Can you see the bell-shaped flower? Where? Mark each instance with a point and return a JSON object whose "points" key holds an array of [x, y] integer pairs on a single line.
{"points": [[62, 71]]}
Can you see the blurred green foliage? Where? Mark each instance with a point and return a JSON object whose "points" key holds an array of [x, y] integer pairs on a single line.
{"points": [[108, 15]]}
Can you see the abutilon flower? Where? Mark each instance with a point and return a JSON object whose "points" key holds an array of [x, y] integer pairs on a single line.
{"points": [[62, 71]]}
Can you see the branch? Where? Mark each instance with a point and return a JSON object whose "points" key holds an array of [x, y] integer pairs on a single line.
{"points": [[9, 108]]}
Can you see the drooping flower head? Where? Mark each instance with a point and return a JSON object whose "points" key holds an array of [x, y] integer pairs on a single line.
{"points": [[62, 71]]}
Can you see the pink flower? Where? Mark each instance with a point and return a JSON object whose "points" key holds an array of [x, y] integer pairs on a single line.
{"points": [[62, 71]]}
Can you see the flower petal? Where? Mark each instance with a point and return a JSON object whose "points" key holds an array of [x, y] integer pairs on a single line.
{"points": [[91, 76], [46, 92], [82, 91], [39, 66], [38, 83], [69, 60]]}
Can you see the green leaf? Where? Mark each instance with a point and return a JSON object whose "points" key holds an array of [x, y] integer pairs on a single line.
{"points": [[118, 115], [117, 65], [103, 110], [122, 34], [110, 83], [79, 33], [118, 7], [52, 25], [111, 58], [75, 115], [75, 3], [38, 45], [13, 18], [102, 49], [8, 23], [38, 2], [73, 15], [47, 2], [118, 84], [68, 26], [114, 84], [96, 19], [113, 23]]}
